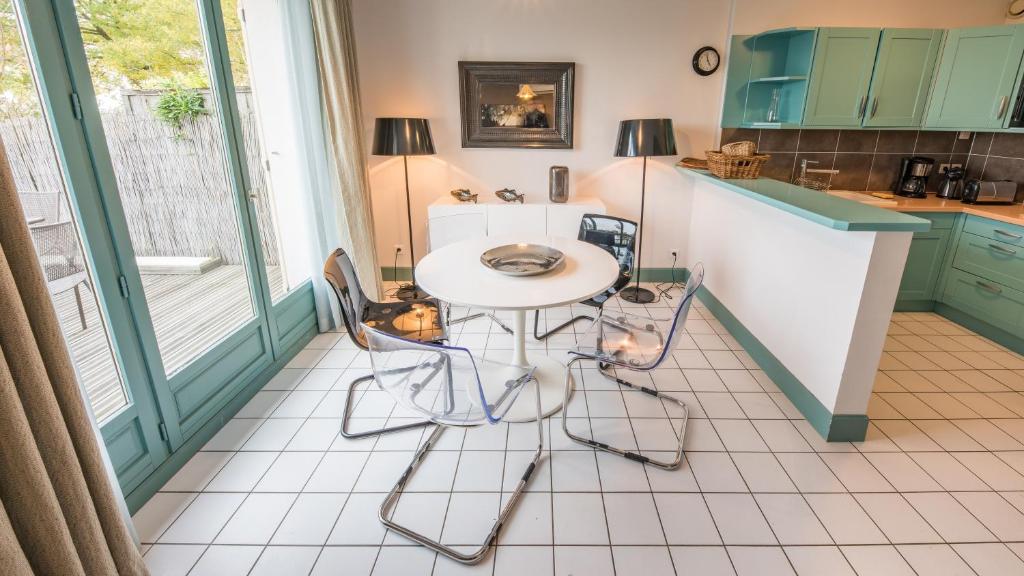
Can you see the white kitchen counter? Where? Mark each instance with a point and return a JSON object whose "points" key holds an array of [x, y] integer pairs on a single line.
{"points": [[806, 283]]}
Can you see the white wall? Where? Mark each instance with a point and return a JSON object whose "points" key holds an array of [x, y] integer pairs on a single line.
{"points": [[632, 60], [753, 16]]}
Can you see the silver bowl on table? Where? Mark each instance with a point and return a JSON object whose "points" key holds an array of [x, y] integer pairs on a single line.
{"points": [[522, 259]]}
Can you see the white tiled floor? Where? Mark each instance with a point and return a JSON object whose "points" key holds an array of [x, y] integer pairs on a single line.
{"points": [[937, 488]]}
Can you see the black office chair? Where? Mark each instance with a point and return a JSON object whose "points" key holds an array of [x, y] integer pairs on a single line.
{"points": [[618, 237], [418, 320]]}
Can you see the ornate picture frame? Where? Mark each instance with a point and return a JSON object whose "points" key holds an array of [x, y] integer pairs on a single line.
{"points": [[516, 104]]}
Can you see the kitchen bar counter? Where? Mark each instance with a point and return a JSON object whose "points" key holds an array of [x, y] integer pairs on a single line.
{"points": [[1010, 214], [806, 282], [835, 213]]}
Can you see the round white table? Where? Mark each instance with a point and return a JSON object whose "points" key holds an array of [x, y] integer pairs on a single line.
{"points": [[455, 274]]}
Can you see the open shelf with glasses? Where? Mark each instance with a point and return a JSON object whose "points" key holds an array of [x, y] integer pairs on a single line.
{"points": [[767, 78]]}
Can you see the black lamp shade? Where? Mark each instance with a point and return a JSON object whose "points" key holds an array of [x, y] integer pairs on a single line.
{"points": [[646, 137], [402, 137]]}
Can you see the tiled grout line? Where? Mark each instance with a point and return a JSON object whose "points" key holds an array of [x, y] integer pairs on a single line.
{"points": [[299, 494], [892, 447]]}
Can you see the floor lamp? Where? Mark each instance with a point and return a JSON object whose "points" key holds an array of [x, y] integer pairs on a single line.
{"points": [[648, 137], [404, 137]]}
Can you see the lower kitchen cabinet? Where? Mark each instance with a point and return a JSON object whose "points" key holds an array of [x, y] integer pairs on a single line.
{"points": [[966, 269], [988, 301], [924, 263]]}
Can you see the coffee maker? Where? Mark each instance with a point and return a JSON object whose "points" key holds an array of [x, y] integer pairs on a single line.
{"points": [[913, 177]]}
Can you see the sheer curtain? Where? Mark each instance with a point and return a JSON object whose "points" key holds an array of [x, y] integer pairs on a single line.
{"points": [[314, 144], [339, 80]]}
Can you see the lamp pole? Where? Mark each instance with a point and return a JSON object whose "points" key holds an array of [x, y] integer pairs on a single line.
{"points": [[410, 292], [636, 294]]}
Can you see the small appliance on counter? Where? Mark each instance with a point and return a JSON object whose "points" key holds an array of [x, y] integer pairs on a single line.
{"points": [[989, 192], [951, 186], [913, 178]]}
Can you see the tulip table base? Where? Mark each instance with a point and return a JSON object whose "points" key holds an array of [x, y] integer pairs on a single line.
{"points": [[455, 274], [548, 373]]}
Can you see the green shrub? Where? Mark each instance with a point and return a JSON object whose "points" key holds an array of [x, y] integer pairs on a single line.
{"points": [[178, 105]]}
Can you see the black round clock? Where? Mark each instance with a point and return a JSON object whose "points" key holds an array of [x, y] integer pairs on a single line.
{"points": [[706, 61]]}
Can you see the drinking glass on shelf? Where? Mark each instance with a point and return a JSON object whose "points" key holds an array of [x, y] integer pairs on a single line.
{"points": [[773, 105]]}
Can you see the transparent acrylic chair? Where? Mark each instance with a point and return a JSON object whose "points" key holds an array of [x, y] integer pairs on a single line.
{"points": [[449, 387], [414, 319], [617, 236], [637, 344]]}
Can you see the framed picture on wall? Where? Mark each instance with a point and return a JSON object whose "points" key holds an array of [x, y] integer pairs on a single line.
{"points": [[516, 104]]}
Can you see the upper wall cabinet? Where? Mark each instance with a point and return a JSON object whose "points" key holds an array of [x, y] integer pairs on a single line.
{"points": [[766, 82], [976, 78], [902, 76], [840, 76]]}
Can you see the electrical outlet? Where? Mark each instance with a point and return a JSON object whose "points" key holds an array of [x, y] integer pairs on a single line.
{"points": [[674, 252], [399, 248]]}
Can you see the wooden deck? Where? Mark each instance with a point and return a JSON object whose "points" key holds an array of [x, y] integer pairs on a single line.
{"points": [[191, 313]]}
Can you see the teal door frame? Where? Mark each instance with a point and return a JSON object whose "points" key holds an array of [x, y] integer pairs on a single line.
{"points": [[163, 412], [133, 435]]}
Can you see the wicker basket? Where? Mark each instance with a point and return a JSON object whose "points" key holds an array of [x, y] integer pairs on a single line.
{"points": [[742, 148], [735, 166]]}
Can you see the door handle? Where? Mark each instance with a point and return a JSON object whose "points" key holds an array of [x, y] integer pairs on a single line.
{"points": [[999, 248], [989, 287], [874, 106], [1002, 106], [1008, 234], [860, 107]]}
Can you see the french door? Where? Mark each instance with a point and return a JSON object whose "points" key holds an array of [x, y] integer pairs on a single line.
{"points": [[161, 175]]}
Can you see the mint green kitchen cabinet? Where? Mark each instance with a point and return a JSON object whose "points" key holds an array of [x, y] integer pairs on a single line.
{"points": [[976, 77], [737, 74], [902, 76], [840, 76], [924, 263], [766, 78]]}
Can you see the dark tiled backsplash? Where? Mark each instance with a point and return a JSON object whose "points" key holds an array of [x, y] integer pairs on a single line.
{"points": [[870, 159]]}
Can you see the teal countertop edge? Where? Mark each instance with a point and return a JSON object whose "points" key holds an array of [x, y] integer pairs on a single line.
{"points": [[829, 211]]}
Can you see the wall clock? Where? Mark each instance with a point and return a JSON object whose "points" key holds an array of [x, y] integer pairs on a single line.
{"points": [[706, 61]]}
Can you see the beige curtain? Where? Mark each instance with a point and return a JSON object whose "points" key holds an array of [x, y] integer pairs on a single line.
{"points": [[339, 81], [58, 514]]}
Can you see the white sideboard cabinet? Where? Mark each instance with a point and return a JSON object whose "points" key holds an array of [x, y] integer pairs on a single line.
{"points": [[449, 220]]}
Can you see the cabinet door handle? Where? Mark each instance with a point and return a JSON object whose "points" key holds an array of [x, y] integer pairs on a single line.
{"points": [[874, 106], [1008, 234], [989, 287], [1002, 106], [860, 107], [999, 248]]}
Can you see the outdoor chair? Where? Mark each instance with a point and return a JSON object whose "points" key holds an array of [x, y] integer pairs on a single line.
{"points": [[451, 388], [418, 320], [60, 256], [633, 343]]}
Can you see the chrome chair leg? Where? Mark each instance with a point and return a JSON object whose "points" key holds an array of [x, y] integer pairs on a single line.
{"points": [[449, 321], [628, 454], [347, 413], [562, 326], [387, 507]]}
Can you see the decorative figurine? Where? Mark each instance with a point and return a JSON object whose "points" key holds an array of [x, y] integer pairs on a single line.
{"points": [[510, 195], [463, 195]]}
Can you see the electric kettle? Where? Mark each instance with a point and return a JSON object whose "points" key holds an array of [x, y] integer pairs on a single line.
{"points": [[950, 187]]}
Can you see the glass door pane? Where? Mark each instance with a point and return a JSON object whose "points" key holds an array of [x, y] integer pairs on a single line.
{"points": [[44, 199], [266, 67], [151, 78]]}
